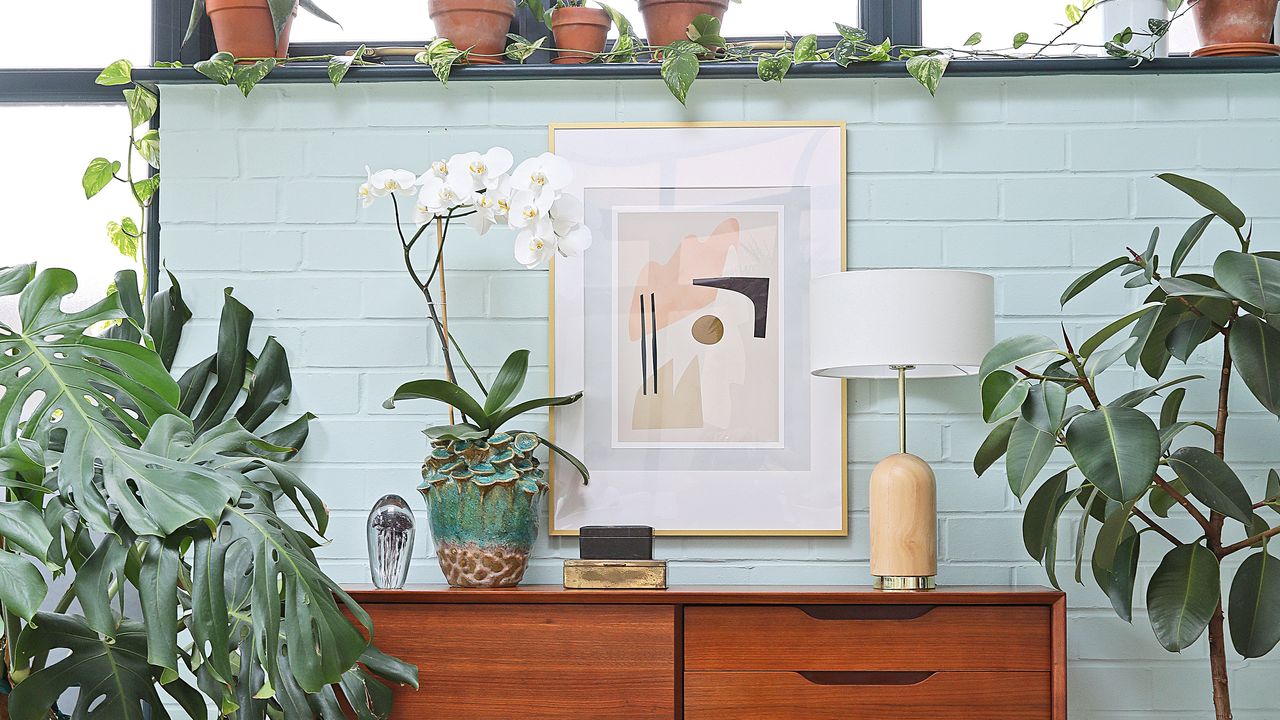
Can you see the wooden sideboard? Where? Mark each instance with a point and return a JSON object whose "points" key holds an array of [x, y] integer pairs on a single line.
{"points": [[726, 653]]}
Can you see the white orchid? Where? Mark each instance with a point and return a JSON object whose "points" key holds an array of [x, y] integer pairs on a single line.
{"points": [[535, 248], [476, 187], [530, 209], [485, 170], [385, 182], [548, 171], [438, 196], [439, 169], [575, 242], [566, 214]]}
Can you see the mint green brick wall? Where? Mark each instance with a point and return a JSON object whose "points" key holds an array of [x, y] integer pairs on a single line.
{"points": [[1031, 179]]}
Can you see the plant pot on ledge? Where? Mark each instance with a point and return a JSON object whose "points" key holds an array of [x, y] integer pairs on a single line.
{"points": [[482, 503], [1235, 28], [666, 21], [244, 29], [580, 34], [477, 25]]}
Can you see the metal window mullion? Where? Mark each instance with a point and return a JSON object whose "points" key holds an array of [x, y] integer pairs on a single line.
{"points": [[900, 20]]}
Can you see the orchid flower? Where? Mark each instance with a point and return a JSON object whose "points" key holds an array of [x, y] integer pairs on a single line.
{"points": [[529, 208], [575, 242], [385, 182], [483, 170], [437, 197], [534, 248], [548, 171], [439, 169]]}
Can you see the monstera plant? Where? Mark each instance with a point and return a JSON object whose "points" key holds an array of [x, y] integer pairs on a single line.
{"points": [[123, 482], [1131, 472]]}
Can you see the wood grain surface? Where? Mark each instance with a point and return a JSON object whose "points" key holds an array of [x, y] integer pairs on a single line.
{"points": [[942, 696], [945, 637]]}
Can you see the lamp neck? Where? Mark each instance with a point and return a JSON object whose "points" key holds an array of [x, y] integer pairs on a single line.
{"points": [[902, 405]]}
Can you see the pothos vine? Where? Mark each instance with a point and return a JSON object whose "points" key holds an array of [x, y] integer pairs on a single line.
{"points": [[679, 65]]}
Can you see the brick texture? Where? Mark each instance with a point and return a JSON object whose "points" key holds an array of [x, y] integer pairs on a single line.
{"points": [[1032, 179]]}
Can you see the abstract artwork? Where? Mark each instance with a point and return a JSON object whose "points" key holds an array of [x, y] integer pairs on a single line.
{"points": [[686, 326], [695, 344]]}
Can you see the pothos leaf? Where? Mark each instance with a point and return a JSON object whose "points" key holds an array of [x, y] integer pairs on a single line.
{"points": [[220, 67], [679, 70], [247, 77], [928, 70]]}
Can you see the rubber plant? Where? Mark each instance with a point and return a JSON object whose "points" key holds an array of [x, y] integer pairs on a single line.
{"points": [[1132, 470], [123, 480]]}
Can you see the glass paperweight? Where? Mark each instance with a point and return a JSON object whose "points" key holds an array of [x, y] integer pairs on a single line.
{"points": [[390, 542]]}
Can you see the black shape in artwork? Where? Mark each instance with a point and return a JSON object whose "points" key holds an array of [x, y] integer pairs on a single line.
{"points": [[756, 289], [653, 309], [644, 350]]}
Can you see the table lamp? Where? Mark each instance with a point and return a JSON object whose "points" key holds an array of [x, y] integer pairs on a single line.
{"points": [[887, 324]]}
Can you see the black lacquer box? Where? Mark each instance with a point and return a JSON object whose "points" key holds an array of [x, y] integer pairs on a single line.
{"points": [[615, 542]]}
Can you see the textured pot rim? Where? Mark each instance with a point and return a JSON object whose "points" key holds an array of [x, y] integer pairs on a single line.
{"points": [[212, 6], [497, 7]]}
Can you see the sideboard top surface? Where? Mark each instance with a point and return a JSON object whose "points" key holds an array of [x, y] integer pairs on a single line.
{"points": [[713, 595]]}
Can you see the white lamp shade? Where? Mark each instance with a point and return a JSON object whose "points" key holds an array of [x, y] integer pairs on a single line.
{"points": [[864, 323]]}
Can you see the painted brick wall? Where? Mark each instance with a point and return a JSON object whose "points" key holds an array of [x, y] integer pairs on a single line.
{"points": [[1032, 179]]}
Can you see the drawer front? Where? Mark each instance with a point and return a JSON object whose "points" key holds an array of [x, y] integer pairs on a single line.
{"points": [[868, 637], [867, 696], [498, 662]]}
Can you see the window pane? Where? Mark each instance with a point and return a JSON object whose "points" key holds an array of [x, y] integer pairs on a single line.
{"points": [[771, 18], [948, 23], [394, 20], [77, 33], [48, 219]]}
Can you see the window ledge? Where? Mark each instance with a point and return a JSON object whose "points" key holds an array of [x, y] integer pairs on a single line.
{"points": [[403, 72]]}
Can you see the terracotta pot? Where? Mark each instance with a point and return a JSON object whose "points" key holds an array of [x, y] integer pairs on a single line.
{"points": [[666, 21], [1234, 21], [243, 28], [579, 32], [478, 25]]}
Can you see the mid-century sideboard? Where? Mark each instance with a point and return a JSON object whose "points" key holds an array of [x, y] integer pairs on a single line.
{"points": [[726, 653]]}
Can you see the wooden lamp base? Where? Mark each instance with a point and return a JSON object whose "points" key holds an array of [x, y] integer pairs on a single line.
{"points": [[904, 524]]}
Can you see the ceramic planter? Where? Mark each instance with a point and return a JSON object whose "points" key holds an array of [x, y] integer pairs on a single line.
{"points": [[243, 28], [482, 503], [666, 21], [580, 34], [478, 25], [1222, 22]]}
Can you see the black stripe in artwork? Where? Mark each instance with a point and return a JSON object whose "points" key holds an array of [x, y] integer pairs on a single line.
{"points": [[653, 308], [644, 351]]}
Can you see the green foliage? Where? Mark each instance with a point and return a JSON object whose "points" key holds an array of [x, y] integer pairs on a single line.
{"points": [[482, 419], [441, 56], [1137, 472], [117, 476]]}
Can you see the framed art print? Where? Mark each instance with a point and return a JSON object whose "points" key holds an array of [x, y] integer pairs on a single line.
{"points": [[686, 326]]}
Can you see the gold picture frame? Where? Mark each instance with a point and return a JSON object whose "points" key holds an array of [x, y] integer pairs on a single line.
{"points": [[842, 420]]}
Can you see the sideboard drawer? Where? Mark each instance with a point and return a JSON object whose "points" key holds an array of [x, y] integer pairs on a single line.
{"points": [[868, 637], [867, 696], [499, 662]]}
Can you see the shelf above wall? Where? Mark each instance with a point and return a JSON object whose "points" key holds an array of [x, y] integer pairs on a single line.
{"points": [[405, 72]]}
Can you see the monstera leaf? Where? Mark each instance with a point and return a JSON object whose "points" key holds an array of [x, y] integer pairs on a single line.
{"points": [[95, 399], [113, 675], [278, 571], [211, 388]]}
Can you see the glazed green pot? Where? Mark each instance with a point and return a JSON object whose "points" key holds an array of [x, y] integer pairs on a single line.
{"points": [[482, 503]]}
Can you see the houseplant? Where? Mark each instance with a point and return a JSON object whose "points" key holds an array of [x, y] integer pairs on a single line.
{"points": [[252, 28], [1239, 24], [1138, 472], [125, 480], [477, 25], [580, 31], [666, 21], [482, 484]]}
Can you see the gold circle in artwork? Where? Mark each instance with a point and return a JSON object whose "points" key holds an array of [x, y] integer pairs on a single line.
{"points": [[708, 330]]}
